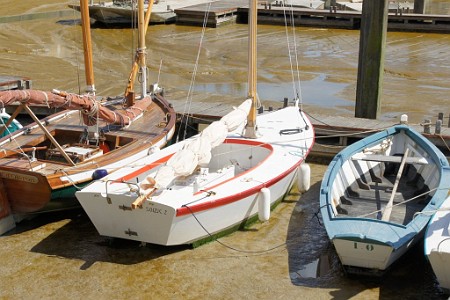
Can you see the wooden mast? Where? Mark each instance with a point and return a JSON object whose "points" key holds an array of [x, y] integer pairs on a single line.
{"points": [[250, 129], [129, 94], [142, 49], [87, 46]]}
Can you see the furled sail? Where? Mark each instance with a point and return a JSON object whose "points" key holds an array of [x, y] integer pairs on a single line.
{"points": [[87, 104], [197, 152]]}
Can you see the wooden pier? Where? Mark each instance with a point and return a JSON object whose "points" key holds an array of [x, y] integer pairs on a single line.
{"points": [[226, 11], [333, 133], [14, 83], [218, 13]]}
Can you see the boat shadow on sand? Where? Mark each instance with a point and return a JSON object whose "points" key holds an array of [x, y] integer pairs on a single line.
{"points": [[72, 235], [314, 263]]}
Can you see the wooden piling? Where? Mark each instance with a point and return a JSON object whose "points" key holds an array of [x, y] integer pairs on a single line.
{"points": [[371, 59]]}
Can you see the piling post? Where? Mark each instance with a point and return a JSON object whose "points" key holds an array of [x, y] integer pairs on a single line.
{"points": [[438, 127], [371, 58], [419, 6], [427, 126]]}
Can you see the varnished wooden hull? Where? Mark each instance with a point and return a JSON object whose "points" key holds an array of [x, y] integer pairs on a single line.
{"points": [[29, 184]]}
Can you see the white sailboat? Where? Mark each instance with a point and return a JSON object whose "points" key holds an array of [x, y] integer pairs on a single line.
{"points": [[232, 172]]}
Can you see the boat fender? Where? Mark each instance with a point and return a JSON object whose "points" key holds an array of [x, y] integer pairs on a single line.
{"points": [[196, 186], [304, 177], [264, 204], [99, 173]]}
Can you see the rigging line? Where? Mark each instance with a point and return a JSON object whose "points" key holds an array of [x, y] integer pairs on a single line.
{"points": [[442, 138], [187, 106], [77, 50], [230, 247], [348, 134], [297, 91], [159, 71], [289, 47], [70, 179]]}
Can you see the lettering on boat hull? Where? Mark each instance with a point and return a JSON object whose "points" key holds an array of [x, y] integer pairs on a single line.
{"points": [[19, 177]]}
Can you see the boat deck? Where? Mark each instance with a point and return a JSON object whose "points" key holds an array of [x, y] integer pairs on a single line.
{"points": [[68, 129]]}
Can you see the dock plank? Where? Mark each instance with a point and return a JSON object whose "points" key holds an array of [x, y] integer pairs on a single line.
{"points": [[324, 125]]}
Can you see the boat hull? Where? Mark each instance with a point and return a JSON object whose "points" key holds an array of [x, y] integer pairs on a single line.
{"points": [[31, 180], [214, 200], [374, 199], [110, 13], [437, 245]]}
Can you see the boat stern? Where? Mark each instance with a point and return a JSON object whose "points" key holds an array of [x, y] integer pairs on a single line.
{"points": [[114, 216], [363, 254]]}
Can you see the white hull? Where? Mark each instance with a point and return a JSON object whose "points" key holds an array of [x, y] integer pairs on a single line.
{"points": [[437, 245], [211, 200], [370, 255]]}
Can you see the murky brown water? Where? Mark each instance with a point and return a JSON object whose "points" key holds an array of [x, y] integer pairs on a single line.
{"points": [[62, 256]]}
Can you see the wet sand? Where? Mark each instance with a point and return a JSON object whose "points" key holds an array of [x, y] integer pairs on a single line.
{"points": [[61, 255]]}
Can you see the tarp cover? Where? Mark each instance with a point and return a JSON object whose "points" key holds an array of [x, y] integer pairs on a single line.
{"points": [[91, 109], [198, 150]]}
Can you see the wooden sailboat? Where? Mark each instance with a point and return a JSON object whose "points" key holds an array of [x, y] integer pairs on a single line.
{"points": [[234, 171], [44, 163], [378, 195]]}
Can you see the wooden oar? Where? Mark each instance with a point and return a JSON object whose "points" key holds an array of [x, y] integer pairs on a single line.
{"points": [[388, 209]]}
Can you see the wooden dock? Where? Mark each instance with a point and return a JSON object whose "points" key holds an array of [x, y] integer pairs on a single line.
{"points": [[219, 13], [14, 83], [347, 19], [333, 133], [226, 11]]}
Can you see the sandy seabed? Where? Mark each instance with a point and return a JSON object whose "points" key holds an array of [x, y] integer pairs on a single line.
{"points": [[61, 255]]}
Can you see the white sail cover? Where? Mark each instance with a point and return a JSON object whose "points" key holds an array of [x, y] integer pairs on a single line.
{"points": [[198, 151]]}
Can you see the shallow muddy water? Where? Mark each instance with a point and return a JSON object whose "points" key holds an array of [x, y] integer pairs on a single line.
{"points": [[416, 78], [61, 255]]}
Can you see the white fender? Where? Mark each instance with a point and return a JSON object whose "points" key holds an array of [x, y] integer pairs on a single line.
{"points": [[304, 177], [264, 205]]}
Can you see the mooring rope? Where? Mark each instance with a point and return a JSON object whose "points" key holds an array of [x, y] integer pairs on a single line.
{"points": [[228, 246]]}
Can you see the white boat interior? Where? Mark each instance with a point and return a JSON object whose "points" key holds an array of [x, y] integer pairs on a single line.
{"points": [[367, 182]]}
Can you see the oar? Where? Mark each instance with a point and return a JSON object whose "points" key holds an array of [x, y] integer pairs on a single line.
{"points": [[388, 209]]}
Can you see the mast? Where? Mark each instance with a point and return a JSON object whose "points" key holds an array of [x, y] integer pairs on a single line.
{"points": [[87, 46], [250, 129], [129, 91], [142, 49]]}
